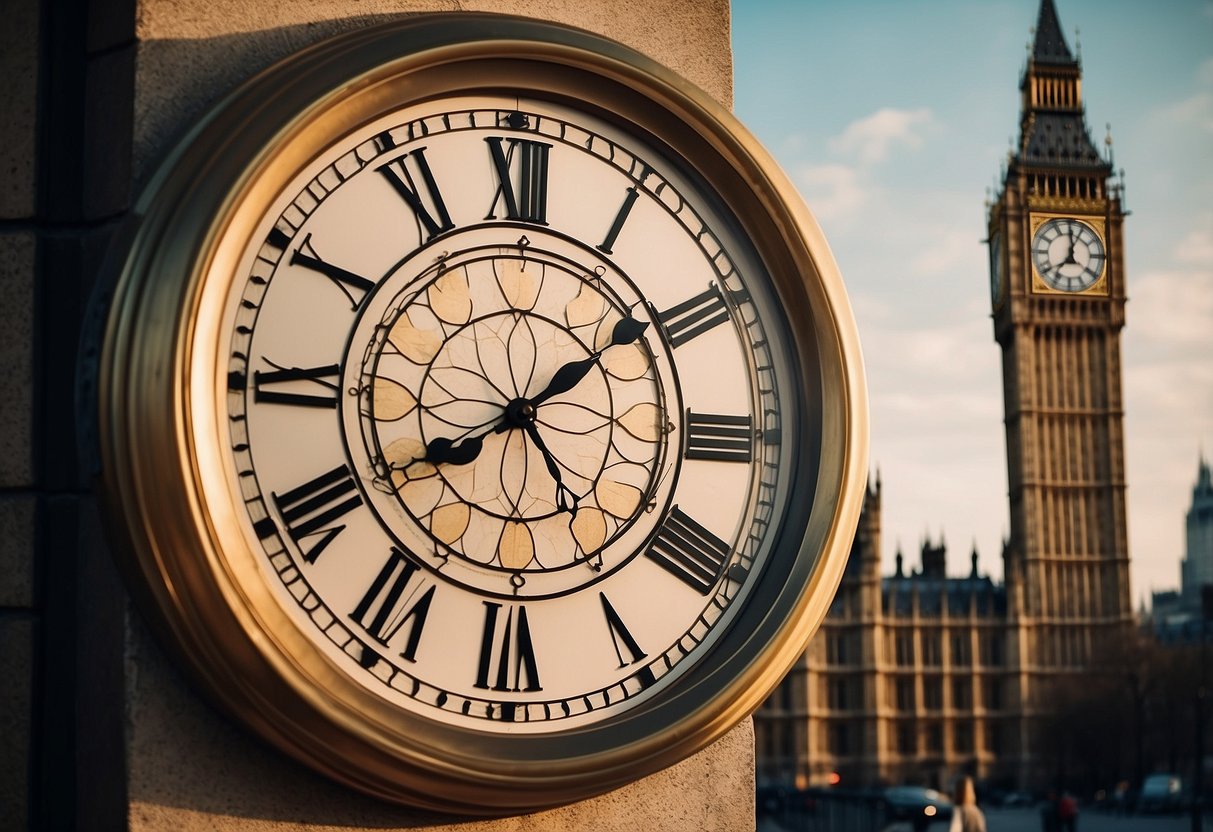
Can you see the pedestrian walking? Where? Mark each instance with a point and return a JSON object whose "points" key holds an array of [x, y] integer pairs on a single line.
{"points": [[966, 817], [1067, 813], [1049, 821]]}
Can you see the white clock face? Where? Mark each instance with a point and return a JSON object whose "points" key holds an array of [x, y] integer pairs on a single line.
{"points": [[1068, 254], [509, 412]]}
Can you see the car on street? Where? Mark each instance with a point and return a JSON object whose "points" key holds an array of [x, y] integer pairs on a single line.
{"points": [[1161, 793], [919, 806]]}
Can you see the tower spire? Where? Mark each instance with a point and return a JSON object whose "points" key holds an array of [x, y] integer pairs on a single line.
{"points": [[1053, 131], [1050, 46]]}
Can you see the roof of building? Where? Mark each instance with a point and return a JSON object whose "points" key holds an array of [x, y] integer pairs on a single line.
{"points": [[933, 592], [1060, 139]]}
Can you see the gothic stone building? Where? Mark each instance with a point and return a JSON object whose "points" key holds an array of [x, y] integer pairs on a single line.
{"points": [[907, 680], [918, 678]]}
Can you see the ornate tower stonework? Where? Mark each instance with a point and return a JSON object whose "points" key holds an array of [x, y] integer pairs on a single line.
{"points": [[1058, 297]]}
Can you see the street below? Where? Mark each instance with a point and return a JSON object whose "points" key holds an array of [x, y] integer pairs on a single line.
{"points": [[1028, 820]]}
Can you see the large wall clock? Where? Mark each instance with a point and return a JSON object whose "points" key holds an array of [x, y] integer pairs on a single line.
{"points": [[481, 413]]}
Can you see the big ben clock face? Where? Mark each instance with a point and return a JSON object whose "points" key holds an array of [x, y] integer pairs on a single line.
{"points": [[1068, 254], [516, 433]]}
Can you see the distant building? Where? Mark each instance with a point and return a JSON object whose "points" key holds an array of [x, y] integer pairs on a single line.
{"points": [[922, 677], [907, 680], [1196, 570]]}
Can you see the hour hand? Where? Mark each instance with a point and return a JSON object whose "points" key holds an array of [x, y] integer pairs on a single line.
{"points": [[442, 450]]}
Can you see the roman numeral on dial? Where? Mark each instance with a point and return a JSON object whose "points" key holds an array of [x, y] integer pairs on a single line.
{"points": [[353, 286], [723, 438], [689, 552], [393, 600], [694, 317], [529, 201], [290, 385], [620, 635], [624, 210], [311, 509], [400, 177], [507, 657]]}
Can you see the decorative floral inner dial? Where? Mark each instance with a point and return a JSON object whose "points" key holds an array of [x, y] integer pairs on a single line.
{"points": [[511, 404]]}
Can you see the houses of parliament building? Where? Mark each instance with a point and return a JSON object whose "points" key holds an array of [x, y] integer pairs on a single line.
{"points": [[920, 676]]}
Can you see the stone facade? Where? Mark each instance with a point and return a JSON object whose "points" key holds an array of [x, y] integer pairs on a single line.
{"points": [[906, 682]]}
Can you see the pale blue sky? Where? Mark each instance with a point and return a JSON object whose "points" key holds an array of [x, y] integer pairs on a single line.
{"points": [[892, 118]]}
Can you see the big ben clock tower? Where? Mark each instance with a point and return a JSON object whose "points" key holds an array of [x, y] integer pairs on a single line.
{"points": [[1058, 295]]}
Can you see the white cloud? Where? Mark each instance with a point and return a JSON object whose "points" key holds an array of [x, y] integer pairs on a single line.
{"points": [[1197, 109], [947, 249], [871, 139], [1205, 73], [833, 192], [1196, 247], [1171, 313]]}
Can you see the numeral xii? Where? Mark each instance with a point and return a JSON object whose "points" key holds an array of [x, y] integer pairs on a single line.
{"points": [[528, 201]]}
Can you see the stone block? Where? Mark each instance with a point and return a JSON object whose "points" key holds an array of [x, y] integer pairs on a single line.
{"points": [[17, 256], [17, 519], [16, 709], [191, 53], [111, 23], [19, 39], [108, 112], [177, 742]]}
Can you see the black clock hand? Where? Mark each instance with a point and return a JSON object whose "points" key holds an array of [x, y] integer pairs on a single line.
{"points": [[442, 450], [1070, 254], [567, 377], [566, 500]]}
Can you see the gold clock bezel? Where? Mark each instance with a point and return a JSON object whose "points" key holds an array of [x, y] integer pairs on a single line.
{"points": [[160, 393], [1040, 286]]}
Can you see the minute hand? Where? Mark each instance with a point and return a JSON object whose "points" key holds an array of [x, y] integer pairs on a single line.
{"points": [[567, 377]]}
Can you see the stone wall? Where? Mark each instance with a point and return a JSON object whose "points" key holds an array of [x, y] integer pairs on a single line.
{"points": [[97, 729]]}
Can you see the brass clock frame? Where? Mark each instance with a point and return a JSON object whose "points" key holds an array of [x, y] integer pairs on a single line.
{"points": [[160, 415], [1039, 285]]}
